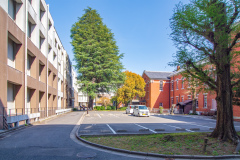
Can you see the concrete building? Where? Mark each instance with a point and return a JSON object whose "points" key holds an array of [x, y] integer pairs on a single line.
{"points": [[37, 79]]}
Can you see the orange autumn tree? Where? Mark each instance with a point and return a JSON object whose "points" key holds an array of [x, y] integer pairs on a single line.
{"points": [[133, 85]]}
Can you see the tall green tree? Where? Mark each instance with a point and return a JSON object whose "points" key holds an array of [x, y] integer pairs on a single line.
{"points": [[96, 55], [205, 33]]}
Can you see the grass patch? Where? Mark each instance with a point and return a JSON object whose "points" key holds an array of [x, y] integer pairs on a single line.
{"points": [[170, 144]]}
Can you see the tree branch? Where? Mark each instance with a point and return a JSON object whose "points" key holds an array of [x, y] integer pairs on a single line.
{"points": [[235, 83], [206, 78], [237, 36], [235, 14]]}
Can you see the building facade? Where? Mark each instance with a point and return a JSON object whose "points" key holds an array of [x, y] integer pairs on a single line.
{"points": [[168, 88], [37, 79]]}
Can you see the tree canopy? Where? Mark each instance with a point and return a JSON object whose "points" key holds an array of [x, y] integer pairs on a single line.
{"points": [[133, 86], [205, 33], [96, 55]]}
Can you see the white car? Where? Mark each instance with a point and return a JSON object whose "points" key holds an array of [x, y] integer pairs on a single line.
{"points": [[141, 110], [129, 109]]}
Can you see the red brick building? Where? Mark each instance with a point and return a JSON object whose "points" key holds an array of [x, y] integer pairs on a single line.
{"points": [[167, 88], [157, 89]]}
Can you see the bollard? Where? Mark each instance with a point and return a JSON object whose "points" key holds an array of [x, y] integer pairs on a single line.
{"points": [[205, 144]]}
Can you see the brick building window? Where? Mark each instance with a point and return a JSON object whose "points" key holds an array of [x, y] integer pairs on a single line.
{"points": [[189, 96], [182, 98], [182, 83], [172, 85], [171, 100], [177, 84], [176, 100], [197, 101], [161, 85], [161, 104], [205, 101]]}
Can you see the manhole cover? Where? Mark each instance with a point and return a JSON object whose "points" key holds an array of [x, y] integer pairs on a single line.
{"points": [[86, 154]]}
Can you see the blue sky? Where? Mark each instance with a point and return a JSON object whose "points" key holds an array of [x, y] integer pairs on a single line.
{"points": [[141, 28]]}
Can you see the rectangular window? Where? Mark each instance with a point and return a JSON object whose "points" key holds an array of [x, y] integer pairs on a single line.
{"points": [[161, 104], [29, 65], [205, 101], [10, 98], [177, 84], [11, 53], [189, 96], [197, 103], [54, 56], [161, 85], [176, 100], [12, 9], [182, 98], [182, 83], [172, 85]]}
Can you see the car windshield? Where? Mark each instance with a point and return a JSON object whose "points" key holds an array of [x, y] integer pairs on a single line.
{"points": [[142, 107]]}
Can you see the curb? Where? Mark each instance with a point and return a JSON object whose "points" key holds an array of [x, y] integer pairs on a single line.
{"points": [[151, 154], [15, 129]]}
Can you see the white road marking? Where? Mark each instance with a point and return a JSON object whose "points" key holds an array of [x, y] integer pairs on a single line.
{"points": [[178, 127], [145, 128], [111, 129], [99, 116]]}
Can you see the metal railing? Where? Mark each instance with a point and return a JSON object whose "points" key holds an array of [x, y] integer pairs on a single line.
{"points": [[21, 111]]}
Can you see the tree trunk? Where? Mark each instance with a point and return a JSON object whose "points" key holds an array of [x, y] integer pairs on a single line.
{"points": [[90, 103], [194, 105], [224, 126]]}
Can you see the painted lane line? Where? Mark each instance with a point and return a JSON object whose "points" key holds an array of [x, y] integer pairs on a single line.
{"points": [[145, 128], [111, 129], [178, 127], [99, 116]]}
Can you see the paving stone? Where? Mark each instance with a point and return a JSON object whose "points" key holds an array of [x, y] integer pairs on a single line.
{"points": [[180, 129], [159, 129], [143, 130], [195, 129]]}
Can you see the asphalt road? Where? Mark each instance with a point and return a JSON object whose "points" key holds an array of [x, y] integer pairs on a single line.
{"points": [[117, 122], [53, 140]]}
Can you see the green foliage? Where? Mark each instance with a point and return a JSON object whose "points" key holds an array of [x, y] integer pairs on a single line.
{"points": [[113, 107], [96, 54], [102, 108], [161, 110], [122, 108], [109, 108], [74, 109]]}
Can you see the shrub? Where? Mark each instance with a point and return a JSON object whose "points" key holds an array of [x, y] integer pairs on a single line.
{"points": [[98, 108], [161, 110], [102, 108], [113, 107], [109, 108], [123, 108], [74, 109]]}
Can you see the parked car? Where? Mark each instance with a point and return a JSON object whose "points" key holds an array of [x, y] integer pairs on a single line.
{"points": [[129, 109], [141, 110]]}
